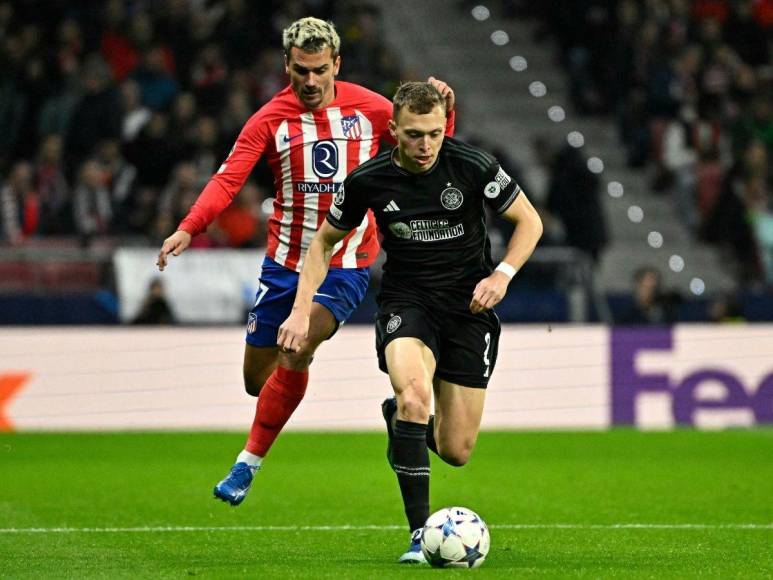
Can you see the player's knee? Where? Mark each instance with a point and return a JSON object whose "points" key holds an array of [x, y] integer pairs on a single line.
{"points": [[456, 454], [413, 402], [457, 458], [253, 382], [413, 410], [298, 361]]}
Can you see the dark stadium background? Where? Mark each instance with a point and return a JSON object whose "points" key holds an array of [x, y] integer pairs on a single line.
{"points": [[114, 114]]}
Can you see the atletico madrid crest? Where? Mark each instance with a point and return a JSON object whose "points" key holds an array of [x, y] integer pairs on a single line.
{"points": [[351, 126], [252, 323]]}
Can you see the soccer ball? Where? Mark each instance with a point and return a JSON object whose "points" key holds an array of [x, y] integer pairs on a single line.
{"points": [[455, 537]]}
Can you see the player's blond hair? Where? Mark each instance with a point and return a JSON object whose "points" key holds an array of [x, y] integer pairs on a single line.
{"points": [[311, 35], [419, 97]]}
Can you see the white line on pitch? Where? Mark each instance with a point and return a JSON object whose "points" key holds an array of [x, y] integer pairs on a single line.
{"points": [[334, 528], [634, 526]]}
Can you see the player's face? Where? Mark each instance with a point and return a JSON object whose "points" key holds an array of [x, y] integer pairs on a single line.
{"points": [[312, 74], [419, 138]]}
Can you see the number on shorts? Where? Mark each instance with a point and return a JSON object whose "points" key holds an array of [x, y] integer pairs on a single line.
{"points": [[486, 361], [262, 289]]}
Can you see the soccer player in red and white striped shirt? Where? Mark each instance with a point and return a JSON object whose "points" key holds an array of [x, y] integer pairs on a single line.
{"points": [[313, 133]]}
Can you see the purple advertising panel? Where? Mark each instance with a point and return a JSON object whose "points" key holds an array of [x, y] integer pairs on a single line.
{"points": [[701, 372]]}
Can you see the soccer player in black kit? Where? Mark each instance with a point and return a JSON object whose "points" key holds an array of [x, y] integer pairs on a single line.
{"points": [[435, 330]]}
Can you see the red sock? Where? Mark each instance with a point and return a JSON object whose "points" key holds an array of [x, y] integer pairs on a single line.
{"points": [[278, 399]]}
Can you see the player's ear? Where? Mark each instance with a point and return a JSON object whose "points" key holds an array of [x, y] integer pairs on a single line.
{"points": [[336, 65], [392, 126], [287, 65]]}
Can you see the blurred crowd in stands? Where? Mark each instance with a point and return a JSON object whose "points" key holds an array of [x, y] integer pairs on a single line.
{"points": [[690, 83], [113, 115]]}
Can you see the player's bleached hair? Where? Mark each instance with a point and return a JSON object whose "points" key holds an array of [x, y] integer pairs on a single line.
{"points": [[311, 35], [418, 97]]}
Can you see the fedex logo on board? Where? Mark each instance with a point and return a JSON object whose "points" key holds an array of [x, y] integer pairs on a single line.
{"points": [[687, 393]]}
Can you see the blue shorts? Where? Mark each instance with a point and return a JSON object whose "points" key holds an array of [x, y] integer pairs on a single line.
{"points": [[341, 293]]}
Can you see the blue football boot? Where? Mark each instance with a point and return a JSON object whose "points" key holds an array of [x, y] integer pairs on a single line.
{"points": [[413, 555], [234, 487]]}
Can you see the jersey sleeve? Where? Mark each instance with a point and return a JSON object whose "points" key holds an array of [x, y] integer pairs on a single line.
{"points": [[499, 189], [230, 177], [348, 209]]}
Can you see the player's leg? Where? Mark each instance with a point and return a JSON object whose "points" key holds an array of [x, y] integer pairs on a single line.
{"points": [[458, 412], [286, 386], [274, 296], [338, 296], [469, 346], [280, 394], [411, 365], [280, 379], [259, 364], [406, 341], [273, 300]]}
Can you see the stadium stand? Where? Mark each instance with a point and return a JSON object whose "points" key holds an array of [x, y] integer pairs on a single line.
{"points": [[113, 115]]}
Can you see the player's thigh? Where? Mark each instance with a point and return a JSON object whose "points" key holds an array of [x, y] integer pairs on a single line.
{"points": [[259, 363], [409, 361], [458, 413], [411, 365]]}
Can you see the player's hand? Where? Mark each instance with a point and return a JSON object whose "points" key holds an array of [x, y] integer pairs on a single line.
{"points": [[489, 292], [293, 331], [175, 245], [446, 91]]}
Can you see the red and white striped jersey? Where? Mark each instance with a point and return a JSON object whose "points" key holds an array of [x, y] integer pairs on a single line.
{"points": [[310, 153]]}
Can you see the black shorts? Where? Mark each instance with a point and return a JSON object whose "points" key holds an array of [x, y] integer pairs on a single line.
{"points": [[464, 344]]}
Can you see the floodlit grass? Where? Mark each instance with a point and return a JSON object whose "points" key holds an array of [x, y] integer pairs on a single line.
{"points": [[114, 493]]}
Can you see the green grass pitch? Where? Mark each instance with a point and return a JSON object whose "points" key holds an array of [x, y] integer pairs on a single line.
{"points": [[140, 505]]}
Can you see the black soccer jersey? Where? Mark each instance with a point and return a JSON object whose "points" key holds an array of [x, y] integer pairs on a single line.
{"points": [[433, 223]]}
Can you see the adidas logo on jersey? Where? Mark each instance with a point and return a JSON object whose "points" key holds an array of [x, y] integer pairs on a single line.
{"points": [[391, 206]]}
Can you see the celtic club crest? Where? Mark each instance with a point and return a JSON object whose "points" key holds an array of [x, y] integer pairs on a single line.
{"points": [[451, 198]]}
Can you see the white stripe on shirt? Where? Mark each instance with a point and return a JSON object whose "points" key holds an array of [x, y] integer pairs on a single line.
{"points": [[366, 140], [310, 200], [283, 149]]}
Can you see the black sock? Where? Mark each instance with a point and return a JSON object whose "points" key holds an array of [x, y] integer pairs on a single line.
{"points": [[411, 464], [431, 443]]}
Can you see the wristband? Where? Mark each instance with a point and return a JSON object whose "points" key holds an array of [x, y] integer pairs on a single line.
{"points": [[506, 269]]}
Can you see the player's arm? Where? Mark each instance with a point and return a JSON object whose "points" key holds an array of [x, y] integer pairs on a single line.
{"points": [[315, 266], [221, 188], [528, 229]]}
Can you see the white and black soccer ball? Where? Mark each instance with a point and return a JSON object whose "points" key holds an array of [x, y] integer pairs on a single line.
{"points": [[455, 537]]}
